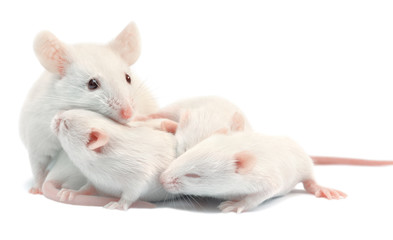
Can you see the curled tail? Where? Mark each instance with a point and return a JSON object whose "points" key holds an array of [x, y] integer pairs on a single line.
{"points": [[318, 160], [51, 189]]}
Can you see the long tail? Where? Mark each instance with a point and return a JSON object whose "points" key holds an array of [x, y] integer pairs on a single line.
{"points": [[318, 160], [50, 190]]}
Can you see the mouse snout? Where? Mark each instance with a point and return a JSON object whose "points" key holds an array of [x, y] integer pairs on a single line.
{"points": [[126, 113], [55, 124], [170, 184], [162, 180], [58, 121]]}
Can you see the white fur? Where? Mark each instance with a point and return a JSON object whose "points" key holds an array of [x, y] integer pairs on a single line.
{"points": [[280, 165], [127, 166], [64, 86], [199, 118], [66, 173]]}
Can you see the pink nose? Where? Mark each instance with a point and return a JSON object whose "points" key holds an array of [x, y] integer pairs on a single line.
{"points": [[162, 180], [126, 113]]}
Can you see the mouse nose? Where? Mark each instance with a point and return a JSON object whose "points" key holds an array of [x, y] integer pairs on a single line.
{"points": [[56, 125], [126, 113], [162, 180]]}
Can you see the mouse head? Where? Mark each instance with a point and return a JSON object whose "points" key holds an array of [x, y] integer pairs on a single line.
{"points": [[96, 77], [77, 132], [211, 168], [189, 131]]}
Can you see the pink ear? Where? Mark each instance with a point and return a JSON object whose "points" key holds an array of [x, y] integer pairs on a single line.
{"points": [[237, 122], [184, 118], [98, 139], [51, 53], [245, 162], [128, 44], [169, 126]]}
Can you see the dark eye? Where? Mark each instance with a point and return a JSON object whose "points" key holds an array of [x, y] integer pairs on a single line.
{"points": [[192, 175], [93, 84], [128, 78]]}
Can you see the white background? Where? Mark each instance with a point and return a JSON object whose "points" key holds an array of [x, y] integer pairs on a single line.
{"points": [[318, 71]]}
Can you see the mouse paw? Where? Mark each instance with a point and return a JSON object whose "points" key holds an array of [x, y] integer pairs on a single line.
{"points": [[120, 205], [312, 187], [232, 206], [35, 190], [329, 193], [67, 194]]}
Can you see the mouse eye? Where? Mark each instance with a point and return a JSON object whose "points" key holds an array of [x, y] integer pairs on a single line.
{"points": [[192, 175], [128, 78], [93, 84]]}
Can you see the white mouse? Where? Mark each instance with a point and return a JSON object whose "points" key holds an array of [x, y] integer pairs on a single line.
{"points": [[200, 117], [85, 76], [119, 160], [193, 120], [244, 168]]}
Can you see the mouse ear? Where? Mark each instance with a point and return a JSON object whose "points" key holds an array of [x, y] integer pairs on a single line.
{"points": [[51, 52], [128, 44], [169, 126], [97, 140], [237, 122], [245, 162]]}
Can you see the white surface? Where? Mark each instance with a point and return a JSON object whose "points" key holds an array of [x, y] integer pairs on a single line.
{"points": [[318, 71]]}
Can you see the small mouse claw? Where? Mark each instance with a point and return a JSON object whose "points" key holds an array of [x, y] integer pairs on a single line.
{"points": [[312, 187], [232, 206], [35, 190], [330, 193], [111, 205], [120, 205]]}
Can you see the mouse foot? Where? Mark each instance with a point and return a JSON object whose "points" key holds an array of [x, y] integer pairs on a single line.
{"points": [[35, 190], [312, 187], [232, 206], [120, 205], [67, 194]]}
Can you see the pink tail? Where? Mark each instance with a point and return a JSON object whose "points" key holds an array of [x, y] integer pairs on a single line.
{"points": [[348, 161], [50, 190]]}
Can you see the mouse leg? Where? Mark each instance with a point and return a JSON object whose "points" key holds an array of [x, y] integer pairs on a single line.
{"points": [[127, 198], [312, 187], [38, 163], [122, 204], [248, 202], [69, 194]]}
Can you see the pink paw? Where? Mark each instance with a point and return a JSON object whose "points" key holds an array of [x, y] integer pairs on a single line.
{"points": [[330, 193], [232, 206], [120, 205], [35, 190], [312, 187], [67, 194]]}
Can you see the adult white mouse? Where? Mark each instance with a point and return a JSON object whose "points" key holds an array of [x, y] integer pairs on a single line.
{"points": [[85, 76], [119, 160], [244, 168], [200, 117]]}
